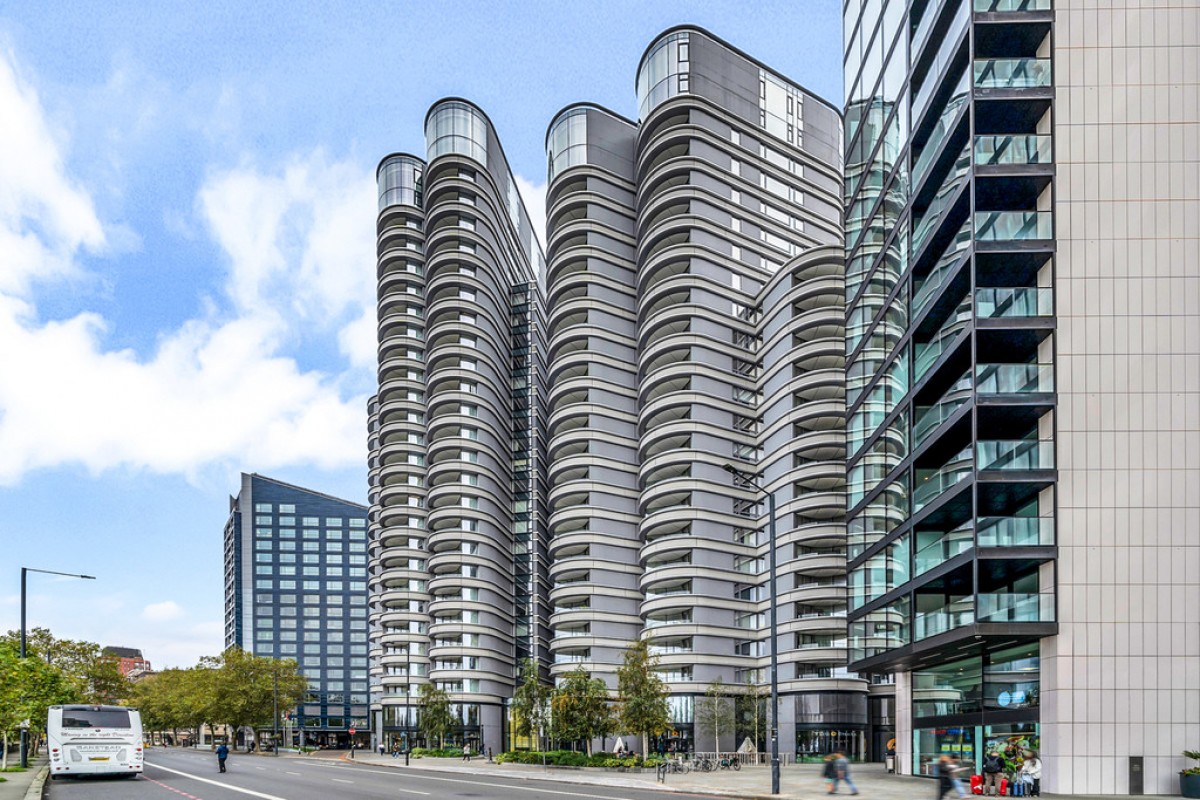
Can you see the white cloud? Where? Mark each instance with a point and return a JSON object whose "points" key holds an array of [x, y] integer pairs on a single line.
{"points": [[534, 197], [219, 390], [162, 612], [44, 216]]}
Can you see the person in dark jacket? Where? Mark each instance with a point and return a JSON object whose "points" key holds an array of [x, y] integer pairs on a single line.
{"points": [[829, 773], [993, 771], [946, 772], [222, 754]]}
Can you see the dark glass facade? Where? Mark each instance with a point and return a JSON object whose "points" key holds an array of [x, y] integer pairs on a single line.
{"points": [[296, 587]]}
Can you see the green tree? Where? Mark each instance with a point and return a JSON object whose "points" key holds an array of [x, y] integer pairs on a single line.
{"points": [[436, 717], [643, 695], [531, 703], [97, 677], [752, 712], [28, 689], [243, 689], [581, 709], [715, 712]]}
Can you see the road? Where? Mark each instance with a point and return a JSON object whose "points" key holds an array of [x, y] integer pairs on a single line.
{"points": [[172, 774]]}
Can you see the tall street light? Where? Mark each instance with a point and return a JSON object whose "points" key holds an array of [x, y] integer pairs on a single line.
{"points": [[750, 482], [24, 571]]}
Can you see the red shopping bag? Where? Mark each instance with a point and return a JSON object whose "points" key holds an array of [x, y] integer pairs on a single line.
{"points": [[976, 784]]}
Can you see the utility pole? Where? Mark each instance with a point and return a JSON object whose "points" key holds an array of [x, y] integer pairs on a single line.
{"points": [[275, 704]]}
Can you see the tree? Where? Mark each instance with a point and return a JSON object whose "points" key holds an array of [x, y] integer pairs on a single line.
{"points": [[715, 712], [244, 691], [436, 717], [96, 677], [752, 711], [643, 695], [531, 703], [581, 709], [30, 686]]}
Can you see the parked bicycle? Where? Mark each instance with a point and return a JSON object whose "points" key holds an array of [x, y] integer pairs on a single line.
{"points": [[731, 762]]}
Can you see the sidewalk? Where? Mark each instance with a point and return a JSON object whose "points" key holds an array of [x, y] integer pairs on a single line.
{"points": [[18, 785], [797, 781]]}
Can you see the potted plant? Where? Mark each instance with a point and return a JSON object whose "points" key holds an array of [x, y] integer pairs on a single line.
{"points": [[1189, 779]]}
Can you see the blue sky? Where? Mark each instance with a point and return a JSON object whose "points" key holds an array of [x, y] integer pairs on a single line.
{"points": [[186, 255]]}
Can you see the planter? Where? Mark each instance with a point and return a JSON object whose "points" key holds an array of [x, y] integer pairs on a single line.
{"points": [[1189, 784]]}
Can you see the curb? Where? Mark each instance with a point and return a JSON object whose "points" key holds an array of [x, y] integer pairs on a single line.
{"points": [[35, 789]]}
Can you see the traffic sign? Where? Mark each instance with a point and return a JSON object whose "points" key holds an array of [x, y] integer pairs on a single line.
{"points": [[352, 731]]}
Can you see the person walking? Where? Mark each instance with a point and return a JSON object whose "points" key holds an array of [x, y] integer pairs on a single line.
{"points": [[829, 773], [466, 752], [946, 771], [222, 754], [841, 772], [993, 770], [1031, 774]]}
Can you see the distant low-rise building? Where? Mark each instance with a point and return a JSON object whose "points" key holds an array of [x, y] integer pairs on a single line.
{"points": [[129, 660]]}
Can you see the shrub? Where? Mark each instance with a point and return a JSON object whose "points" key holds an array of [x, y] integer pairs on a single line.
{"points": [[1195, 756]]}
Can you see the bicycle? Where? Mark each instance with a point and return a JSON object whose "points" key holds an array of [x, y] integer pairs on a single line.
{"points": [[731, 762], [705, 764], [678, 765]]}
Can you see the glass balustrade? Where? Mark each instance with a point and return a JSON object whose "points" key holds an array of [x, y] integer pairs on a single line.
{"points": [[1012, 73], [1019, 454], [1014, 378], [1013, 226], [1016, 607], [929, 220], [928, 418], [932, 623], [1016, 531], [931, 483], [1021, 301], [942, 549], [943, 128], [951, 40], [926, 354], [1021, 149], [927, 289], [1004, 6]]}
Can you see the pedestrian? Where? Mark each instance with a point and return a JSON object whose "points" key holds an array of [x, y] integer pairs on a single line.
{"points": [[466, 752], [841, 770], [993, 768], [222, 754], [395, 750], [829, 773], [946, 771], [1031, 773]]}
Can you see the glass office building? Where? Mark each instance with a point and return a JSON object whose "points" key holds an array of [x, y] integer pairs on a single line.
{"points": [[1014, 244], [296, 587]]}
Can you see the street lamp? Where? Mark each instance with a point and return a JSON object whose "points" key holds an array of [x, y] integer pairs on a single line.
{"points": [[24, 571], [749, 481]]}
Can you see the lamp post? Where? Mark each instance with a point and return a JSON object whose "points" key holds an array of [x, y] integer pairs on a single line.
{"points": [[774, 733], [275, 705], [24, 572]]}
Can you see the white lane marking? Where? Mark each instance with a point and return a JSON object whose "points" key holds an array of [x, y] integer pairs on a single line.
{"points": [[529, 784], [339, 780], [218, 783], [260, 767], [412, 791], [292, 773]]}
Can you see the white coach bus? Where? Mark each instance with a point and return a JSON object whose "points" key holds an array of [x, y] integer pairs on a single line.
{"points": [[94, 740]]}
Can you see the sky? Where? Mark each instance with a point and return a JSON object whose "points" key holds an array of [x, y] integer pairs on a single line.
{"points": [[187, 211]]}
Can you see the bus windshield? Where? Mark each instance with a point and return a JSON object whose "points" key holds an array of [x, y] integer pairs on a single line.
{"points": [[95, 718]]}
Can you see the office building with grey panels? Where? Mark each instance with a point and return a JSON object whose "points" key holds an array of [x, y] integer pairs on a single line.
{"points": [[459, 582], [1023, 301], [296, 587]]}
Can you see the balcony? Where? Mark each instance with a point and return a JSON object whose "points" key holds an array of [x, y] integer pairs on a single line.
{"points": [[928, 418], [1016, 532], [1013, 226], [1016, 454], [931, 483], [1016, 607], [934, 622], [941, 273], [996, 151], [1020, 302], [1013, 73], [932, 216], [1008, 6], [942, 549], [1014, 378], [926, 355]]}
